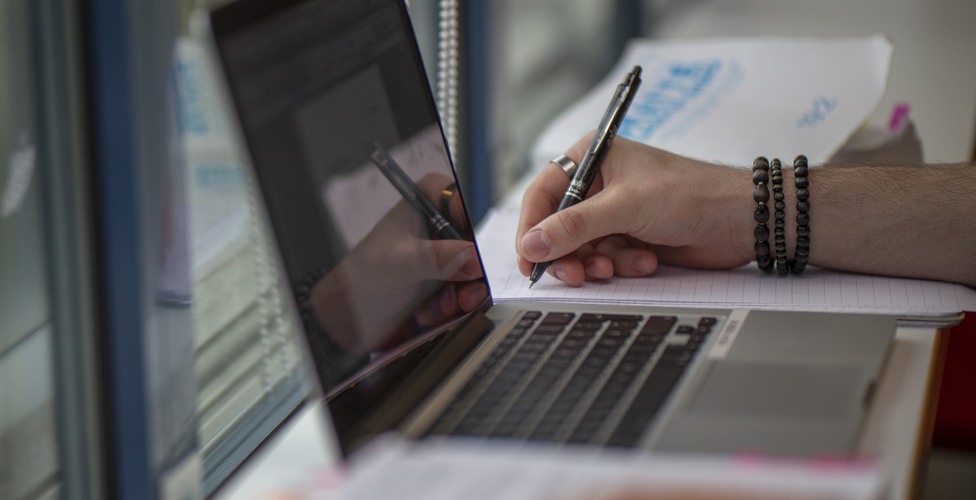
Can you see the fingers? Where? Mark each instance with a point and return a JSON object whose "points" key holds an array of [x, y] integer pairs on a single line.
{"points": [[613, 255], [432, 184], [450, 260], [457, 298], [442, 192], [544, 235], [629, 260], [453, 261], [585, 264], [454, 299], [570, 270], [471, 295]]}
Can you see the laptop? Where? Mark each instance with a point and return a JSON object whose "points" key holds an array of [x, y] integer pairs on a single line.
{"points": [[398, 318]]}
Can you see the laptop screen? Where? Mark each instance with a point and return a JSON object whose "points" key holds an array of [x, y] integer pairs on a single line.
{"points": [[348, 151]]}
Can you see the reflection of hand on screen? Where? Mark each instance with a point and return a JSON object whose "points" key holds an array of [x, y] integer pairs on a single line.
{"points": [[393, 282], [357, 199]]}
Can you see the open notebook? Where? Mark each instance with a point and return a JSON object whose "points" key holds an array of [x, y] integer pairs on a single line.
{"points": [[913, 301]]}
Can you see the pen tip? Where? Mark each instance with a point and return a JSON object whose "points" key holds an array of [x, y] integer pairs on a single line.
{"points": [[531, 283]]}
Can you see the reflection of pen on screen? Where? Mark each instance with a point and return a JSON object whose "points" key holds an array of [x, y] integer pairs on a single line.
{"points": [[410, 192]]}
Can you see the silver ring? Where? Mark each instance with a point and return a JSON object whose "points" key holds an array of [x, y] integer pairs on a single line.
{"points": [[567, 164]]}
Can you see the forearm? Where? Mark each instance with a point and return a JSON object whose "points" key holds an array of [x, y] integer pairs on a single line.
{"points": [[915, 221], [910, 221]]}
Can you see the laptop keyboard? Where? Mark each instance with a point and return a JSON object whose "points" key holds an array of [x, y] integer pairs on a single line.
{"points": [[577, 378]]}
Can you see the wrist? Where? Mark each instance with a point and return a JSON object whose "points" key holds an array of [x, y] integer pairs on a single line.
{"points": [[739, 208]]}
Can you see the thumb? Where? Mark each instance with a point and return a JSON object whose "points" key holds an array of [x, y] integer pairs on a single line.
{"points": [[451, 260], [563, 232]]}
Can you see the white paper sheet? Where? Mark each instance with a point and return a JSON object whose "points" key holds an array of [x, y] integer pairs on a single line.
{"points": [[454, 468], [730, 100]]}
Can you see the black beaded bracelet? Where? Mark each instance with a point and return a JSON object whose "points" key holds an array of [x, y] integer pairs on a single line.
{"points": [[801, 174], [779, 216], [760, 176]]}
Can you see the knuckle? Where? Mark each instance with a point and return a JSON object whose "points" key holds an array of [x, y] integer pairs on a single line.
{"points": [[437, 260], [572, 222]]}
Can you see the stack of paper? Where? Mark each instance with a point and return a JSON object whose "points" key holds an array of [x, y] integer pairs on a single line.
{"points": [[730, 100]]}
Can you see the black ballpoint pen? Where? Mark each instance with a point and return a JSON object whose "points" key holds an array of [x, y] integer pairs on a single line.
{"points": [[590, 164], [410, 192]]}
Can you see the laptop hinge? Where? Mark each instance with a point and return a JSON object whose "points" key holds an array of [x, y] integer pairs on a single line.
{"points": [[426, 378]]}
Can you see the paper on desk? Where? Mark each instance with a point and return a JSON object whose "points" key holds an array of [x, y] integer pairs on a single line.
{"points": [[816, 289], [730, 100], [453, 468]]}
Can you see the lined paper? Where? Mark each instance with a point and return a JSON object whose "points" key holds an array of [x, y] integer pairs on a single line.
{"points": [[745, 287]]}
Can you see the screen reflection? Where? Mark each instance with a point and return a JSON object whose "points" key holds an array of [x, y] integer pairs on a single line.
{"points": [[356, 178]]}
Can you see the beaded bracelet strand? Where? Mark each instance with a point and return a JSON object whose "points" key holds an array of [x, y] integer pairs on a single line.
{"points": [[779, 216], [801, 174], [760, 176]]}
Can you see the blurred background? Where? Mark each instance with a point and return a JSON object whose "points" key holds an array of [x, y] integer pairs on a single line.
{"points": [[144, 329]]}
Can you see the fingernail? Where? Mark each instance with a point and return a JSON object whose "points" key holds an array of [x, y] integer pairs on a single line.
{"points": [[535, 244], [592, 270], [472, 297], [644, 264], [461, 259], [558, 273]]}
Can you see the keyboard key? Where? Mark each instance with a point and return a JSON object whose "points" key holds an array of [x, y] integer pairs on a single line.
{"points": [[659, 324], [558, 318], [707, 321], [646, 404]]}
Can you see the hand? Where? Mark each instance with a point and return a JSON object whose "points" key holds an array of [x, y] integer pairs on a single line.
{"points": [[362, 302], [645, 207]]}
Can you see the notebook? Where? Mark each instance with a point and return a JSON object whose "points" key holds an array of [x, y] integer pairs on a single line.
{"points": [[347, 149]]}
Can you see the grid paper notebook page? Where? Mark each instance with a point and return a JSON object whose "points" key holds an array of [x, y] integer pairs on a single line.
{"points": [[745, 287]]}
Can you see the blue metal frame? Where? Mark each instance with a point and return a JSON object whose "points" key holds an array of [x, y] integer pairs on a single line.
{"points": [[115, 179], [477, 173]]}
